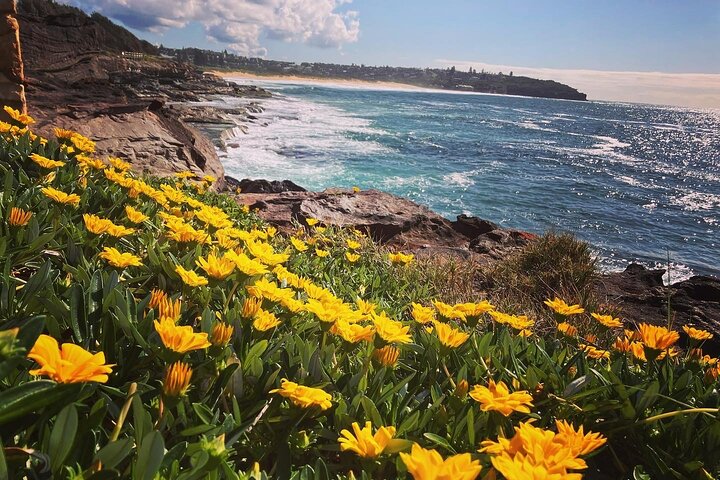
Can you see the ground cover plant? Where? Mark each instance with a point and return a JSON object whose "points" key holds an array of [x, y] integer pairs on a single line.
{"points": [[151, 329]]}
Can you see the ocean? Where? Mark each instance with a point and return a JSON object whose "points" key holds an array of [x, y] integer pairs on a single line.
{"points": [[638, 182]]}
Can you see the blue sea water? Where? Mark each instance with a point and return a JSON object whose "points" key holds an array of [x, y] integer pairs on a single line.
{"points": [[636, 181]]}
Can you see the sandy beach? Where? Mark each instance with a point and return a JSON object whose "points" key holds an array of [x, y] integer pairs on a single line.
{"points": [[349, 83]]}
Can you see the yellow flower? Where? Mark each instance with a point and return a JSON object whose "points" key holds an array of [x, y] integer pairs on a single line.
{"points": [[221, 334], [386, 356], [19, 217], [265, 253], [449, 336], [265, 320], [299, 245], [563, 308], [120, 260], [400, 257], [567, 329], [474, 309], [425, 464], [607, 320], [594, 352], [311, 221], [156, 297], [363, 442], [422, 314], [391, 331], [251, 306], [305, 397], [216, 267], [119, 230], [68, 363], [496, 396], [352, 257], [61, 197], [356, 189], [135, 216], [578, 442], [95, 224], [322, 253], [658, 338], [177, 380], [209, 179], [697, 334], [178, 338], [45, 162], [82, 143], [518, 322], [185, 174], [190, 278], [121, 165], [352, 244], [23, 118], [352, 332], [539, 454], [169, 308], [449, 311]]}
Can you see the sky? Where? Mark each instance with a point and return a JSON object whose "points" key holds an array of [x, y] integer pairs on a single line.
{"points": [[649, 51]]}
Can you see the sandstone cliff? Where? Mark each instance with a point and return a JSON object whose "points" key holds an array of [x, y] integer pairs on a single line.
{"points": [[12, 90]]}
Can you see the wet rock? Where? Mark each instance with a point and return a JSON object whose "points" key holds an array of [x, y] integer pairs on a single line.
{"points": [[473, 227], [499, 242], [247, 185], [642, 297]]}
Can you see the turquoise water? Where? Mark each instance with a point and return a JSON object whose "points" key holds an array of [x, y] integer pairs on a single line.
{"points": [[636, 181]]}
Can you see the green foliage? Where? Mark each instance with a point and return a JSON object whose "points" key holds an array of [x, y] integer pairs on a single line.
{"points": [[659, 416]]}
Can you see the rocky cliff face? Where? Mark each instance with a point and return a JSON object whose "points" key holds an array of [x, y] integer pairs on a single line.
{"points": [[12, 90], [54, 33], [78, 78]]}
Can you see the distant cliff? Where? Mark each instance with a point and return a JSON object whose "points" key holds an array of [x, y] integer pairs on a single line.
{"points": [[52, 33], [447, 79]]}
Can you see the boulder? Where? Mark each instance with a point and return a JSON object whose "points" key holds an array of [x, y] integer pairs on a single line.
{"points": [[472, 227], [389, 219], [247, 185], [154, 140], [641, 296], [498, 242]]}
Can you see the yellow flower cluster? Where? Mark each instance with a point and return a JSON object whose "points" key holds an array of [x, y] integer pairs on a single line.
{"points": [[536, 453]]}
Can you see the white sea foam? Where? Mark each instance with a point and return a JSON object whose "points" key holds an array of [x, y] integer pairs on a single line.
{"points": [[293, 139], [695, 201], [460, 179]]}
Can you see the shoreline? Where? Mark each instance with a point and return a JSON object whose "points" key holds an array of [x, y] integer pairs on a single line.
{"points": [[348, 83]]}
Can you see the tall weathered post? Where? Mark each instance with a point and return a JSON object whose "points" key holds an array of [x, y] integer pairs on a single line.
{"points": [[12, 90]]}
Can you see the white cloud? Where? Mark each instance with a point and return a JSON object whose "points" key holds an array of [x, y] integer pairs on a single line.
{"points": [[241, 23], [683, 89]]}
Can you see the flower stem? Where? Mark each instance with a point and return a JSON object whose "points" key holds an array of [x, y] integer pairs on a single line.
{"points": [[123, 412]]}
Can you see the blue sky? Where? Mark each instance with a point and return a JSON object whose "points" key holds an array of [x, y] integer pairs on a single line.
{"points": [[667, 35], [671, 36]]}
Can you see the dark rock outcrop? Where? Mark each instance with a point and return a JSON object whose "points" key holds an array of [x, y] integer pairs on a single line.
{"points": [[247, 185], [642, 297], [387, 218]]}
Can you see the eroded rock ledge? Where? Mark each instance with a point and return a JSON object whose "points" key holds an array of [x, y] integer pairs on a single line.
{"points": [[390, 220]]}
